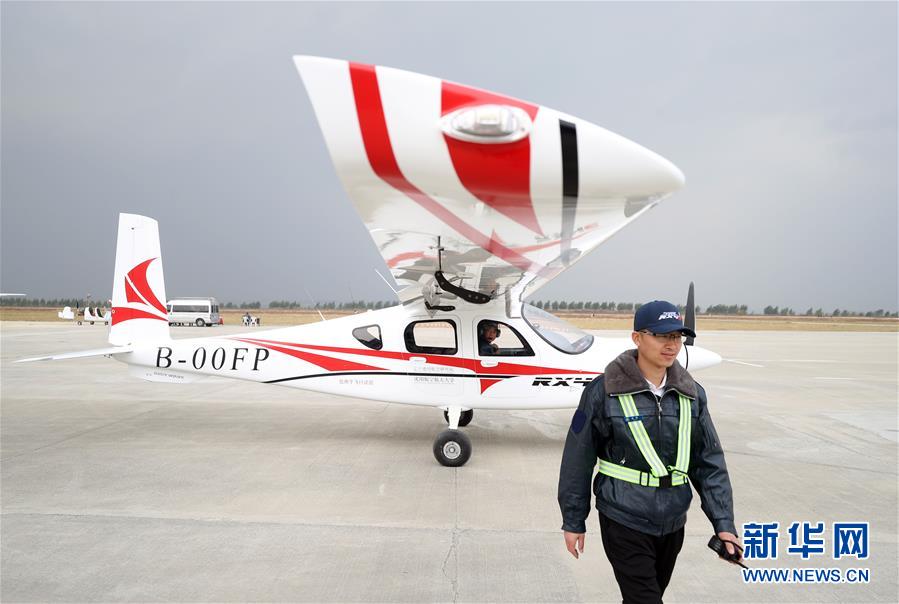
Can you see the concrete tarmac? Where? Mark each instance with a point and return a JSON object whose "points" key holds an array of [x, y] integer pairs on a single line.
{"points": [[115, 489]]}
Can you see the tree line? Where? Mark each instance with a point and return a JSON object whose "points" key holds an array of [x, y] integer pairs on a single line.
{"points": [[52, 302], [548, 305]]}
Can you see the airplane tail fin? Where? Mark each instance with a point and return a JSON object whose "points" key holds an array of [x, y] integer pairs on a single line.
{"points": [[138, 291]]}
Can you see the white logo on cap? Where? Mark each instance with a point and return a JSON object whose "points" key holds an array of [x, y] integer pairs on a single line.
{"points": [[669, 315]]}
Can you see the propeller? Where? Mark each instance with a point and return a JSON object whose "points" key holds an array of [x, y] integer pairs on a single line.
{"points": [[690, 315]]}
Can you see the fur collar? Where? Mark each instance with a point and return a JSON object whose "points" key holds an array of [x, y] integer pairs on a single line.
{"points": [[623, 376]]}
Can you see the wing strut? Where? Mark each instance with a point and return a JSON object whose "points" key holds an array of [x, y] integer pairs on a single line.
{"points": [[472, 297]]}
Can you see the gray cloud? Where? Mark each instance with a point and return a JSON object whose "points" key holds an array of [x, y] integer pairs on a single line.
{"points": [[782, 116]]}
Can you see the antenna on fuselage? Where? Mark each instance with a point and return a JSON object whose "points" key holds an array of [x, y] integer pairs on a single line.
{"points": [[314, 303], [384, 279]]}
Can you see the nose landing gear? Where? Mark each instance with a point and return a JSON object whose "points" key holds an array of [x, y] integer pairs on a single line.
{"points": [[464, 419], [452, 448]]}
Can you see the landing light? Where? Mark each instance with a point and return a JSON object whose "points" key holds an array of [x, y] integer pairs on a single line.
{"points": [[490, 124]]}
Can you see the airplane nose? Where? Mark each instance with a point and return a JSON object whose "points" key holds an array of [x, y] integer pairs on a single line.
{"points": [[695, 358]]}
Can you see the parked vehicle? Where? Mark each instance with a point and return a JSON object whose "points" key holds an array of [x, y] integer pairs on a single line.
{"points": [[202, 312], [93, 315]]}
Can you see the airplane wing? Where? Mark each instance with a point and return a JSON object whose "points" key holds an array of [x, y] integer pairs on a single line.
{"points": [[501, 194]]}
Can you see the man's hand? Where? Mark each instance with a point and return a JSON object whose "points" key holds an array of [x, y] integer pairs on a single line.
{"points": [[574, 542], [729, 539]]}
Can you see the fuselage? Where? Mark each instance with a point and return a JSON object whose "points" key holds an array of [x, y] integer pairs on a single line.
{"points": [[411, 355]]}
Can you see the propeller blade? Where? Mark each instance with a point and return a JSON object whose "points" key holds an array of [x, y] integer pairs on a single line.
{"points": [[690, 318]]}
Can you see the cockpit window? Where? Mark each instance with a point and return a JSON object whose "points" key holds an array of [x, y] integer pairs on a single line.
{"points": [[431, 337], [559, 334], [370, 335], [496, 339]]}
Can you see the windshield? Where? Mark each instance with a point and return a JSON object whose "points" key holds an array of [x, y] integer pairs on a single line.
{"points": [[559, 334]]}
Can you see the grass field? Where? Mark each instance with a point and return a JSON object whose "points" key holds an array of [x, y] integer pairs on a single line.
{"points": [[272, 317]]}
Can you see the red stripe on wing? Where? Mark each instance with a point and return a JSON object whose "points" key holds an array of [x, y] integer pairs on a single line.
{"points": [[404, 256], [499, 174], [379, 151]]}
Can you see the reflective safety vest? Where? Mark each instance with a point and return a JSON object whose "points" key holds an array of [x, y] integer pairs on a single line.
{"points": [[661, 475]]}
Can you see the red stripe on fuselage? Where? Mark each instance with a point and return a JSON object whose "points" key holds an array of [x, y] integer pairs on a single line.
{"points": [[379, 151], [486, 383], [515, 369], [329, 363]]}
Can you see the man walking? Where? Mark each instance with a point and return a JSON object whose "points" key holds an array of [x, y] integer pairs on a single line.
{"points": [[647, 422]]}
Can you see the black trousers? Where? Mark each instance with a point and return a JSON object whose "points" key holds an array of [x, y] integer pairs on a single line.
{"points": [[642, 563]]}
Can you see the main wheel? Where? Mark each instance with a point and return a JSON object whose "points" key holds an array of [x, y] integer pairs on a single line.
{"points": [[452, 448], [464, 419], [200, 323]]}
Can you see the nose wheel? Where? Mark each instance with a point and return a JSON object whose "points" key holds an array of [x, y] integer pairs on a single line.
{"points": [[452, 448]]}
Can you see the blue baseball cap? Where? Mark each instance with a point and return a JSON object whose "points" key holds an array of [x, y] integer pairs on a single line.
{"points": [[659, 316]]}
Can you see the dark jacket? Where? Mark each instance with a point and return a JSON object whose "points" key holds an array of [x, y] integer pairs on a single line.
{"points": [[598, 430]]}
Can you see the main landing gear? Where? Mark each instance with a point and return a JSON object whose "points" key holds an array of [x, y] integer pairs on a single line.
{"points": [[452, 448]]}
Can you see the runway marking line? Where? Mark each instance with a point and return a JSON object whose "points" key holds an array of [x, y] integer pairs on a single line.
{"points": [[743, 363]]}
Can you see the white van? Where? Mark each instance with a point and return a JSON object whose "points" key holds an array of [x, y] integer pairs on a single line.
{"points": [[202, 312]]}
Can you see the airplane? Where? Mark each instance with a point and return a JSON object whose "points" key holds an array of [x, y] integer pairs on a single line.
{"points": [[475, 200]]}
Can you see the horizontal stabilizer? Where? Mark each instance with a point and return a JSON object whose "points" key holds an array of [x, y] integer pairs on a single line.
{"points": [[99, 352]]}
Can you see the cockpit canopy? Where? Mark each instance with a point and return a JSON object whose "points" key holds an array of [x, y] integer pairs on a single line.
{"points": [[559, 334]]}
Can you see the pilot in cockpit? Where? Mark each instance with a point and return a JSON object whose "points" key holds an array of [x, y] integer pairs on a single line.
{"points": [[488, 331]]}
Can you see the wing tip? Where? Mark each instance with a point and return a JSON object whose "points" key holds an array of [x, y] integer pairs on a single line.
{"points": [[302, 61], [32, 359]]}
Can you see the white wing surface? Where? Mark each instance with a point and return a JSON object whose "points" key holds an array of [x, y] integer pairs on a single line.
{"points": [[510, 193]]}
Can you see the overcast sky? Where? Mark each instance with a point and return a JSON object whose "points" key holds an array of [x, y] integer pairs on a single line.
{"points": [[783, 116]]}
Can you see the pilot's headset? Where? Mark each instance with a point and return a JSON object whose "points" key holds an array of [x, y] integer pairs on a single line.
{"points": [[482, 329]]}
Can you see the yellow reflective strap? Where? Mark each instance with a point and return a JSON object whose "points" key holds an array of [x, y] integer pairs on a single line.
{"points": [[638, 430], [620, 472], [683, 435], [633, 476], [641, 438]]}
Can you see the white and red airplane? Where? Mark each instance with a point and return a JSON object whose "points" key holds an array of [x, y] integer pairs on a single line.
{"points": [[475, 200]]}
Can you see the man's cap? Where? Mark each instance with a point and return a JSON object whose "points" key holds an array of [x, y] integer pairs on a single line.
{"points": [[659, 316]]}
